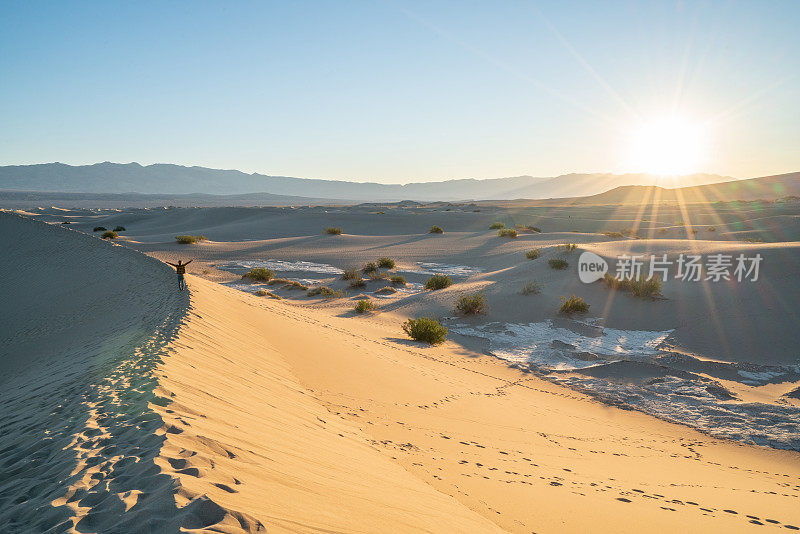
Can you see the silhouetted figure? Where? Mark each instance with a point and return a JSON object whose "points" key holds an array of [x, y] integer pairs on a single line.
{"points": [[180, 268]]}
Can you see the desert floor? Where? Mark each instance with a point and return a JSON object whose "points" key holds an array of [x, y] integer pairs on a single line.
{"points": [[220, 410]]}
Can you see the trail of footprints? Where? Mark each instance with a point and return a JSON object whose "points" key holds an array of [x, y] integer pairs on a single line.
{"points": [[534, 475]]}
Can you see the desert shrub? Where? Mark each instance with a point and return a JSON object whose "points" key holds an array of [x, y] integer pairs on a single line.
{"points": [[326, 292], [351, 273], [333, 230], [557, 263], [573, 304], [507, 232], [647, 288], [119, 228], [531, 288], [358, 282], [370, 267], [436, 230], [476, 211], [66, 222], [380, 212], [377, 275], [613, 234], [425, 329], [496, 226], [533, 254], [528, 228], [386, 263], [640, 287], [471, 304], [265, 293], [108, 234], [259, 274], [293, 284], [692, 230], [712, 228], [398, 280], [288, 284], [438, 281], [567, 247], [612, 282], [99, 229], [189, 239], [363, 306]]}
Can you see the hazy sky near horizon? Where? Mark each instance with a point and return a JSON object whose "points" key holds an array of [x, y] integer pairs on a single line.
{"points": [[397, 91]]}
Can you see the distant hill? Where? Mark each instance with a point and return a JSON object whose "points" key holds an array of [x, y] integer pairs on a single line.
{"points": [[167, 179], [30, 199], [766, 188]]}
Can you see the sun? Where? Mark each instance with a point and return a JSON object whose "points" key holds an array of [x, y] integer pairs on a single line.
{"points": [[668, 146]]}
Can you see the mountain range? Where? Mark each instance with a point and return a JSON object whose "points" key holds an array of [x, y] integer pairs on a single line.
{"points": [[168, 179]]}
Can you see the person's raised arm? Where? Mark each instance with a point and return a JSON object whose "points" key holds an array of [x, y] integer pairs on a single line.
{"points": [[188, 262], [168, 263]]}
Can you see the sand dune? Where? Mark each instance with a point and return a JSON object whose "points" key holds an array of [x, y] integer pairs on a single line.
{"points": [[216, 410], [125, 426]]}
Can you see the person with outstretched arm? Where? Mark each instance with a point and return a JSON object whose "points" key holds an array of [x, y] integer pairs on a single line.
{"points": [[180, 268]]}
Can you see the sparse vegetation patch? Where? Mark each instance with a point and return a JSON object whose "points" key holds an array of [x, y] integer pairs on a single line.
{"points": [[471, 304], [438, 281], [398, 280], [119, 228], [287, 284], [333, 230], [108, 234], [426, 329], [351, 273], [567, 247], [573, 304], [326, 292], [496, 226], [259, 274], [99, 229], [557, 263], [640, 287], [377, 275], [533, 254], [531, 288], [386, 263], [363, 306], [189, 239], [507, 232], [436, 230]]}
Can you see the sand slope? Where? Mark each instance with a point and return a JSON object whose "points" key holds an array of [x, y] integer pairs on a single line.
{"points": [[83, 326], [524, 453], [110, 424]]}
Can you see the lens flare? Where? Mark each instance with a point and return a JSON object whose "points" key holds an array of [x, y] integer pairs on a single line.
{"points": [[668, 146]]}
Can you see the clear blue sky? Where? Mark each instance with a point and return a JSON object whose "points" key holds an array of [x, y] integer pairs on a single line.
{"points": [[396, 91]]}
